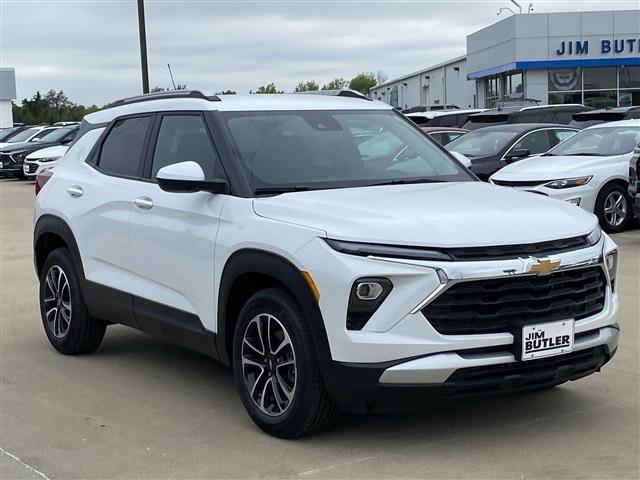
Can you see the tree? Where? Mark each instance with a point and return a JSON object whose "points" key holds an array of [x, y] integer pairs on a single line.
{"points": [[381, 77], [363, 82], [180, 86], [225, 92], [308, 86], [271, 88], [53, 107], [335, 84]]}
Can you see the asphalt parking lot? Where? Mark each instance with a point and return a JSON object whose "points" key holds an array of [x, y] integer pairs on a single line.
{"points": [[140, 408]]}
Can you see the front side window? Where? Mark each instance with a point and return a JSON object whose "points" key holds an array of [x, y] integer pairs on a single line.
{"points": [[335, 149], [562, 135], [604, 141], [480, 143], [24, 135], [43, 133], [534, 142], [122, 150], [184, 138]]}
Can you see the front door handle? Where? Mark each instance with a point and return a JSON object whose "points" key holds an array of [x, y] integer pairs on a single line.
{"points": [[145, 203], [75, 191]]}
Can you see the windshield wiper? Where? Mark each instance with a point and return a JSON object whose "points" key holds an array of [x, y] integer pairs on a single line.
{"points": [[279, 190], [587, 154], [405, 182]]}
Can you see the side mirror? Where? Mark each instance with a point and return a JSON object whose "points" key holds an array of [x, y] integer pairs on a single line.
{"points": [[463, 159], [188, 177], [517, 153]]}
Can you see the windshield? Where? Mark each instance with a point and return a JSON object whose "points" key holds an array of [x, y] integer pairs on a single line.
{"points": [[7, 133], [24, 135], [604, 141], [481, 143], [59, 134], [283, 151]]}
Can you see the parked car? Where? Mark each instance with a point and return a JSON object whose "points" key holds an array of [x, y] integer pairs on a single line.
{"points": [[516, 102], [492, 148], [589, 169], [43, 159], [31, 134], [634, 182], [252, 229], [594, 117], [429, 108], [559, 114], [444, 135], [447, 118], [12, 156], [7, 133]]}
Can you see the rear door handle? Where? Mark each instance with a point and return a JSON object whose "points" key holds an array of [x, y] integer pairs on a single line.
{"points": [[75, 191], [145, 203]]}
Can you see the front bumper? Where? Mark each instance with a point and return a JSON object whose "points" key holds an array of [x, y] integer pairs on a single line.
{"points": [[409, 384]]}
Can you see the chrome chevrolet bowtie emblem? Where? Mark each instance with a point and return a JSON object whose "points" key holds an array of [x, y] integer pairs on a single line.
{"points": [[544, 266]]}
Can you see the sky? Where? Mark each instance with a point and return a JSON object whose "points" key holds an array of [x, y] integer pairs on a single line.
{"points": [[90, 49]]}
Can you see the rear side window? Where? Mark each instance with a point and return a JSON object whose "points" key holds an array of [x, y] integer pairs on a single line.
{"points": [[562, 135], [122, 150], [184, 138], [535, 142]]}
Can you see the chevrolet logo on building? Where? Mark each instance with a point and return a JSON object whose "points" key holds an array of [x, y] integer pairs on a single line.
{"points": [[544, 266]]}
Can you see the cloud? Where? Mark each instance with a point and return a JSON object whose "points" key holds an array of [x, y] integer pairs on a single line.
{"points": [[90, 49]]}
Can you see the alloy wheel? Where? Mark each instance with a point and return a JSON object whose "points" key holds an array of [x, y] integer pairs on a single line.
{"points": [[269, 364], [615, 208], [57, 301]]}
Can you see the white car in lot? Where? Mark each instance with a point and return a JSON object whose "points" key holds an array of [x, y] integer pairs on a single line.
{"points": [[32, 134], [590, 169], [43, 159], [256, 230]]}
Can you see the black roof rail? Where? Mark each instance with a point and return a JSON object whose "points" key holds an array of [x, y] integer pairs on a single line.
{"points": [[166, 95], [339, 93]]}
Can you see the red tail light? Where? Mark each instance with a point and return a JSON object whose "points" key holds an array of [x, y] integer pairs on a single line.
{"points": [[42, 178]]}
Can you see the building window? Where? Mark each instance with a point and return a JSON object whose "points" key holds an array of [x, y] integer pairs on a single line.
{"points": [[630, 77], [393, 96], [565, 79], [509, 85], [599, 87]]}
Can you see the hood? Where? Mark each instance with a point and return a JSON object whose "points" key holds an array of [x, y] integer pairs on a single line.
{"points": [[550, 167], [10, 147], [30, 146], [437, 215], [55, 151]]}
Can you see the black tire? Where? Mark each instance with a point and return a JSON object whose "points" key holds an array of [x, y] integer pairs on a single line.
{"points": [[603, 196], [310, 410], [83, 333]]}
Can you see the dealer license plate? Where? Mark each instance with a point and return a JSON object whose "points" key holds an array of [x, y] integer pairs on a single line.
{"points": [[547, 339]]}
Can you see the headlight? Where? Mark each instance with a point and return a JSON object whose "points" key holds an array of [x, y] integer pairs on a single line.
{"points": [[391, 251], [611, 262], [568, 182], [595, 236], [47, 159], [367, 294]]}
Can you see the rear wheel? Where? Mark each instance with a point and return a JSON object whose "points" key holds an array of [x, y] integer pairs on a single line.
{"points": [[276, 368], [613, 208], [67, 323]]}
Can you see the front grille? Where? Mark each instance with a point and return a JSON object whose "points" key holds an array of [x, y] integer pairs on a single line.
{"points": [[500, 305], [6, 159], [502, 252], [524, 183], [30, 168]]}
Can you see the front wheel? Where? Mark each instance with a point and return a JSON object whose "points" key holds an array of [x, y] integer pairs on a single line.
{"points": [[613, 208], [276, 367], [67, 323]]}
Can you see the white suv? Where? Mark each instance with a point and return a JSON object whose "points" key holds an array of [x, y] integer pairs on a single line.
{"points": [[324, 247]]}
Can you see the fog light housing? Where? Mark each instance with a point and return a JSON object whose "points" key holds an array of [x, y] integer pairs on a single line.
{"points": [[574, 201], [611, 262], [367, 294]]}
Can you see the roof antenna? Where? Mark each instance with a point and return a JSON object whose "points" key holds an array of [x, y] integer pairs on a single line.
{"points": [[171, 75]]}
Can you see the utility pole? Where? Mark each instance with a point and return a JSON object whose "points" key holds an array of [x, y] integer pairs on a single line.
{"points": [[143, 47]]}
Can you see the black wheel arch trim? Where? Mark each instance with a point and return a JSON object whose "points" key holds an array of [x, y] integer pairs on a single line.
{"points": [[51, 224], [262, 262]]}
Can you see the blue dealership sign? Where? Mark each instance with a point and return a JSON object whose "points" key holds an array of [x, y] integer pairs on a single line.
{"points": [[605, 46]]}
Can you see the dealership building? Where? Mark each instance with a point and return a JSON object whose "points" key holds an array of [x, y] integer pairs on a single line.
{"points": [[574, 57], [7, 94]]}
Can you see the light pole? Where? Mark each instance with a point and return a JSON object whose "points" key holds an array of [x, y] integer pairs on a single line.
{"points": [[143, 47]]}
